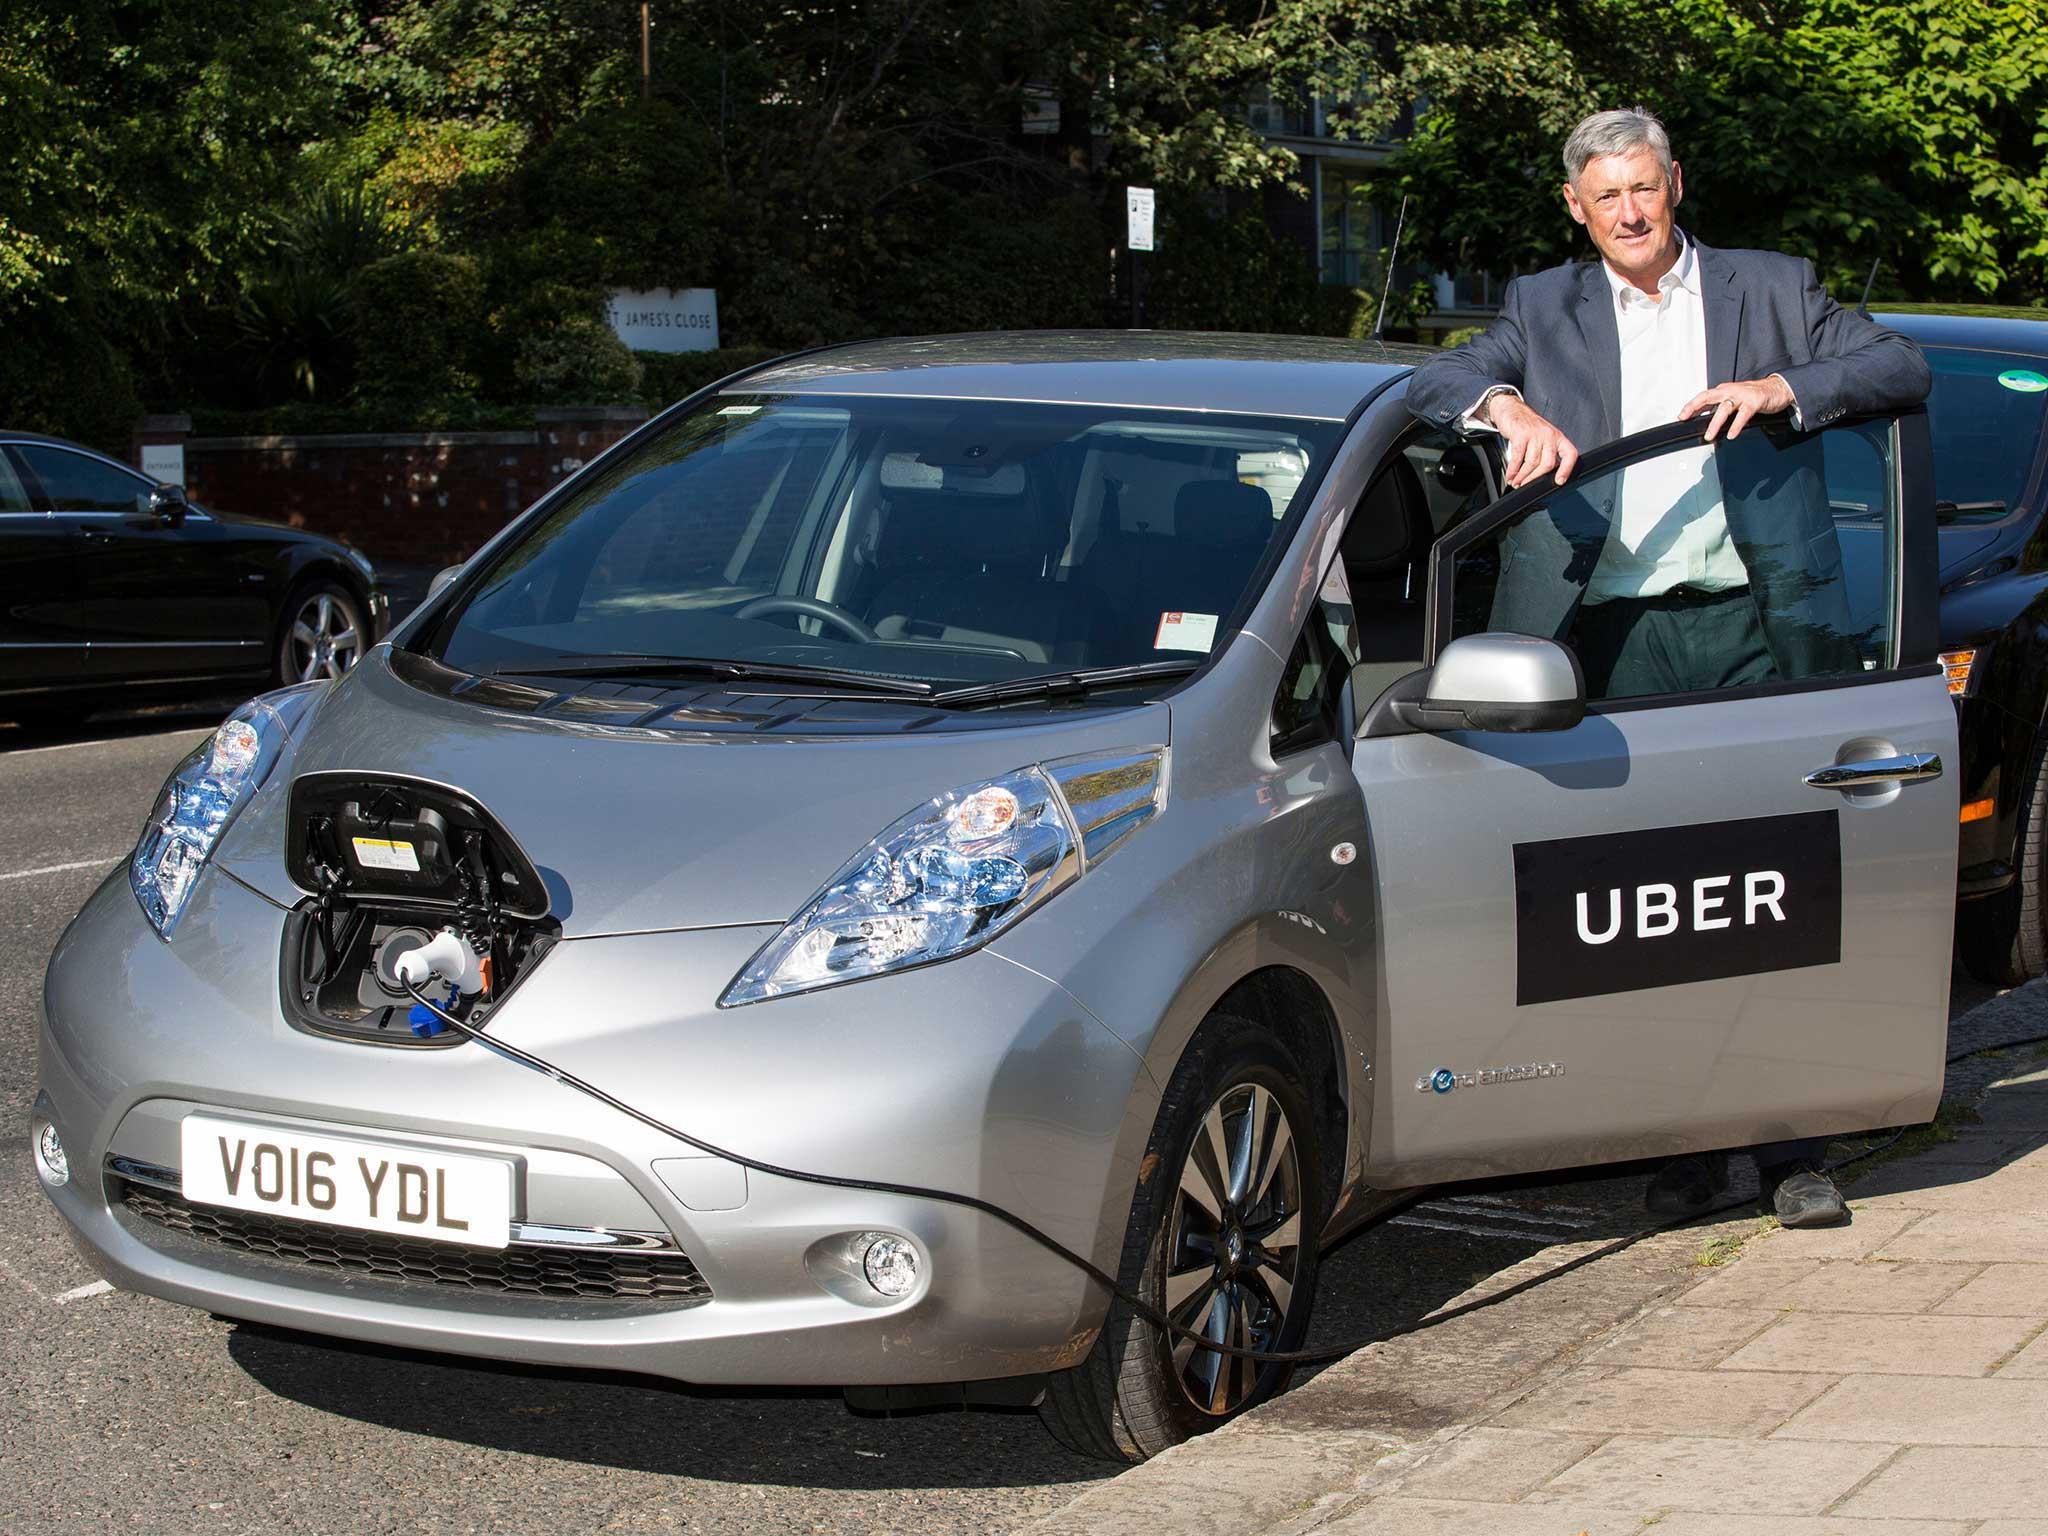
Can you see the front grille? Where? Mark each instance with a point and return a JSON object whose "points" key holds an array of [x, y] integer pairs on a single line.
{"points": [[545, 1270]]}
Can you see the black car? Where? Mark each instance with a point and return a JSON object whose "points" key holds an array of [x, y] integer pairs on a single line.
{"points": [[1990, 462], [109, 579]]}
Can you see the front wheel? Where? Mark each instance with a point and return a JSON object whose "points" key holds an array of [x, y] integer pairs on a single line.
{"points": [[322, 638], [1225, 1246]]}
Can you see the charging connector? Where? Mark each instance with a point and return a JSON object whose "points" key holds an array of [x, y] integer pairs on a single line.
{"points": [[447, 955]]}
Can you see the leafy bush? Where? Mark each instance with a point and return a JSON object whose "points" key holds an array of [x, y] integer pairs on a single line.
{"points": [[292, 316], [666, 377], [1462, 334], [988, 263], [416, 321], [1231, 273], [61, 373], [579, 361]]}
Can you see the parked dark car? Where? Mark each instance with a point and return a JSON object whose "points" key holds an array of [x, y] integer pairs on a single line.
{"points": [[109, 579], [1990, 462]]}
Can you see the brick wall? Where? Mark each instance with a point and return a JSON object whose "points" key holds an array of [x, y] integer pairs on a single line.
{"points": [[425, 498]]}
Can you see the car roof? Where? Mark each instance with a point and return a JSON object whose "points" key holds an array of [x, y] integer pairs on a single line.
{"points": [[1965, 325], [53, 442], [1297, 376]]}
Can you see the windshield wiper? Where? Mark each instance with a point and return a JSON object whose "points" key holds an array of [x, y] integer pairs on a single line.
{"points": [[1047, 685], [709, 666]]}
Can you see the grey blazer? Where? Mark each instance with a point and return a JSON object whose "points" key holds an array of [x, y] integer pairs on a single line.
{"points": [[1558, 342]]}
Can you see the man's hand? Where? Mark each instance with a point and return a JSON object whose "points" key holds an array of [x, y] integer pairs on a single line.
{"points": [[1734, 404], [1534, 447]]}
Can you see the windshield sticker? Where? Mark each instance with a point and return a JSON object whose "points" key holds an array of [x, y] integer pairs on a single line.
{"points": [[383, 853], [2025, 380], [1185, 632], [739, 410], [1622, 911]]}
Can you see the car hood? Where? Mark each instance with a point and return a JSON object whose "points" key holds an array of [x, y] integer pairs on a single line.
{"points": [[636, 830], [1962, 546]]}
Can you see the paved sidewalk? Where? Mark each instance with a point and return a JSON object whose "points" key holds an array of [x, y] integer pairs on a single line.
{"points": [[1888, 1378]]}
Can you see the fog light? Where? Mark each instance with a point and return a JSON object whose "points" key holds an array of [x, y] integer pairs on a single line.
{"points": [[51, 1162], [890, 1263]]}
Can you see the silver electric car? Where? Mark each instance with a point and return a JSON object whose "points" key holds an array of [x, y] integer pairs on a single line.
{"points": [[1143, 784]]}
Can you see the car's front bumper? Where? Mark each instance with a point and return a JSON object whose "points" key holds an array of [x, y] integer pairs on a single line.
{"points": [[975, 1076]]}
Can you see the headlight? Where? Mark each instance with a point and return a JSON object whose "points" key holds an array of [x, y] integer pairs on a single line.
{"points": [[202, 795], [956, 872]]}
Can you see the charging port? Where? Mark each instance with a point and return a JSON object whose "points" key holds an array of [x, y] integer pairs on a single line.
{"points": [[397, 866]]}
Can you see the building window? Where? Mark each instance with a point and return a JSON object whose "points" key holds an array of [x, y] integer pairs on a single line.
{"points": [[1351, 227]]}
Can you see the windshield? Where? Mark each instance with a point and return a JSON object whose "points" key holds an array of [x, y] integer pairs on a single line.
{"points": [[942, 541], [1985, 417]]}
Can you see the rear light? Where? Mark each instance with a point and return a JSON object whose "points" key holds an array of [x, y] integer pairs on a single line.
{"points": [[1978, 810], [1956, 664]]}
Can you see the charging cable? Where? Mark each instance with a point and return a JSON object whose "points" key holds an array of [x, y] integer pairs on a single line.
{"points": [[1142, 1308]]}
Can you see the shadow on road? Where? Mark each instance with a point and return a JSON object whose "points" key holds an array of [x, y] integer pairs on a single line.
{"points": [[787, 1437], [117, 724]]}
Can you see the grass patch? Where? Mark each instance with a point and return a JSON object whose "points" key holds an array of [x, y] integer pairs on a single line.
{"points": [[1918, 1139], [1727, 1247]]}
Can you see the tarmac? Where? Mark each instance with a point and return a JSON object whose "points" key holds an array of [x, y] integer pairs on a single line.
{"points": [[1884, 1378]]}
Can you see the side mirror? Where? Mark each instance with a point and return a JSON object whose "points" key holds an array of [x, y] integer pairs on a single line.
{"points": [[167, 504], [442, 577], [1498, 683]]}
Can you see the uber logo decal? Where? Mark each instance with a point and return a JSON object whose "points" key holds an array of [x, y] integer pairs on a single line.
{"points": [[1628, 910]]}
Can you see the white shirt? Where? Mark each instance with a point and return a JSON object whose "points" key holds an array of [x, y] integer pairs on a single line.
{"points": [[1669, 529]]}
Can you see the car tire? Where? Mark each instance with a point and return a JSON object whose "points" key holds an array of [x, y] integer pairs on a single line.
{"points": [[1137, 1392], [321, 636]]}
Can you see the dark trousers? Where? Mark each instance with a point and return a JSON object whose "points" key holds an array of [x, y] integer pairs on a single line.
{"points": [[1683, 642]]}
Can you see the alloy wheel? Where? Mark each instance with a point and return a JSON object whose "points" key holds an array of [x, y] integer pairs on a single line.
{"points": [[324, 639], [1234, 1244]]}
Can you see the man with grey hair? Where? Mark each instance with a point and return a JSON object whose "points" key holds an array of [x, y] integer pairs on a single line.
{"points": [[1662, 328]]}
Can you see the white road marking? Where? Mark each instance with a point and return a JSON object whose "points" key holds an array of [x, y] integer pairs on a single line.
{"points": [[83, 1292], [101, 862], [1475, 1229]]}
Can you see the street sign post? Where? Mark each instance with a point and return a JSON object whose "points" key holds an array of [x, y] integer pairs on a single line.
{"points": [[1139, 205]]}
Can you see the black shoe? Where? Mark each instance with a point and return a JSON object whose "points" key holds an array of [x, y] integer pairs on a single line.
{"points": [[1685, 1186], [1802, 1197]]}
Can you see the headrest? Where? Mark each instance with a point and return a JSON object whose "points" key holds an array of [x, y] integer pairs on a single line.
{"points": [[959, 532], [1378, 539], [1223, 513]]}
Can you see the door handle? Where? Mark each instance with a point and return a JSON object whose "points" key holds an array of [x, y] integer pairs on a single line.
{"points": [[1906, 768]]}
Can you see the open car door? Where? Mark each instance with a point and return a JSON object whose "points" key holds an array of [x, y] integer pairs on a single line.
{"points": [[1675, 920]]}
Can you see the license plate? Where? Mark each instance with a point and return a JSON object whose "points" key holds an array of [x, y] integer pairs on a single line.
{"points": [[340, 1181]]}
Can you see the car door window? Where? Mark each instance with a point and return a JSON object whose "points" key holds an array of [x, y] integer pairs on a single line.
{"points": [[75, 482], [13, 494], [1687, 568], [1986, 413]]}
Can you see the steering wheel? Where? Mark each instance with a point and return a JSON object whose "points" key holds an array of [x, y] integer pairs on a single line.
{"points": [[810, 608]]}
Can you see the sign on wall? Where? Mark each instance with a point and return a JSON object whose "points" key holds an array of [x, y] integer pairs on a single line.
{"points": [[665, 319], [164, 462]]}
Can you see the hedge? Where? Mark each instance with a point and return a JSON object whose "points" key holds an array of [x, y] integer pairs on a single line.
{"points": [[666, 377]]}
